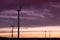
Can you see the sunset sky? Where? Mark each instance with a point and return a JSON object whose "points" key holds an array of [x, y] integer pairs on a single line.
{"points": [[34, 14]]}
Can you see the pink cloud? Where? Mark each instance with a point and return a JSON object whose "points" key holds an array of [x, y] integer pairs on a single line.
{"points": [[55, 4], [34, 14]]}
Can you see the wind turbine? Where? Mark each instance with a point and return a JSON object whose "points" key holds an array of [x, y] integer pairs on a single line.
{"points": [[18, 21], [19, 11]]}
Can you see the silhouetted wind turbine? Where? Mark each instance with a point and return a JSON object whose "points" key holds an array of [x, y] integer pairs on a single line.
{"points": [[18, 10], [18, 21]]}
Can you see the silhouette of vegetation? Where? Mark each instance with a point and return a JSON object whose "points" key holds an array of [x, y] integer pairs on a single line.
{"points": [[3, 38]]}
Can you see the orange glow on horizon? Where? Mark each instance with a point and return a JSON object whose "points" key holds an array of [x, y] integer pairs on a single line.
{"points": [[40, 35], [37, 32]]}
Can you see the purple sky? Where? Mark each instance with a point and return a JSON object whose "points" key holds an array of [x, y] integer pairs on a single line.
{"points": [[34, 12]]}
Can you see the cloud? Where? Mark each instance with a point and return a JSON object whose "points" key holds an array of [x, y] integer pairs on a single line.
{"points": [[44, 28], [34, 14], [39, 14], [14, 17], [55, 4], [9, 12]]}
